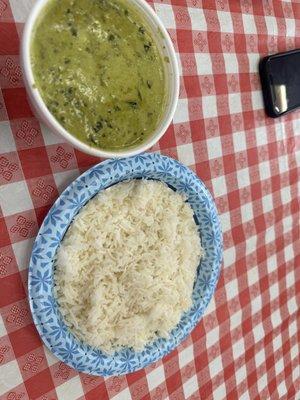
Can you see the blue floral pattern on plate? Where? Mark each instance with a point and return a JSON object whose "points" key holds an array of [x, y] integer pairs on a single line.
{"points": [[44, 308]]}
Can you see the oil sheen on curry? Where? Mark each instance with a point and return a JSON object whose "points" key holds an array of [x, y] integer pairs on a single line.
{"points": [[99, 71]]}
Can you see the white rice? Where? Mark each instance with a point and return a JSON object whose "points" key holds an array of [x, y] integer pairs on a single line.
{"points": [[126, 267]]}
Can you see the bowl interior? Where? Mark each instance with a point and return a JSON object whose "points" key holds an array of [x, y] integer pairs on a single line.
{"points": [[166, 49], [46, 314]]}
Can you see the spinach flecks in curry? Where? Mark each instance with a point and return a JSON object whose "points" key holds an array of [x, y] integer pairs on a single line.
{"points": [[99, 71]]}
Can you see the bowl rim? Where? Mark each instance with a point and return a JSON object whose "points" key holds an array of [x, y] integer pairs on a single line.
{"points": [[86, 358], [47, 117]]}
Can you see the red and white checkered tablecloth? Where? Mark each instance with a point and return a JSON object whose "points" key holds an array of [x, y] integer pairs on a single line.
{"points": [[247, 345]]}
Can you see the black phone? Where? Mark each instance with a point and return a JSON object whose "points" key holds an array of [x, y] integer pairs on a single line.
{"points": [[280, 79]]}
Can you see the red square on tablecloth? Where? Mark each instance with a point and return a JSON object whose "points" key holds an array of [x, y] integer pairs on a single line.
{"points": [[35, 162], [4, 236], [9, 39], [16, 102], [85, 161], [12, 289], [39, 384], [97, 393], [25, 340]]}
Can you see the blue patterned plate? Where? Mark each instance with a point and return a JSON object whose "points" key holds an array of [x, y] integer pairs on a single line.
{"points": [[44, 308]]}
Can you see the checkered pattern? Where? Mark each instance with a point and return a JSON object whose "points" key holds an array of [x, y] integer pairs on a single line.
{"points": [[247, 345]]}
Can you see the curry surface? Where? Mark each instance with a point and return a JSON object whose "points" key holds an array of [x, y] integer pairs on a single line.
{"points": [[99, 71]]}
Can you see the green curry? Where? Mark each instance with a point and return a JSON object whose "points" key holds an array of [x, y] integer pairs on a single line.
{"points": [[99, 71]]}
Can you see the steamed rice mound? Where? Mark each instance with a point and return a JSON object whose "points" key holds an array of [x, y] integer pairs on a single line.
{"points": [[126, 267]]}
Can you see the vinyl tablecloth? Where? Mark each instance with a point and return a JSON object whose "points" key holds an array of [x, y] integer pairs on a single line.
{"points": [[247, 344]]}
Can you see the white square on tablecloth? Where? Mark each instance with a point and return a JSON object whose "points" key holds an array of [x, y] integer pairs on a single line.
{"points": [[279, 366], [225, 221], [238, 348], [124, 395], [198, 20], [21, 9], [7, 143], [214, 147], [249, 24], [290, 27], [50, 137], [186, 356], [258, 332], [209, 106], [219, 186], [12, 375], [215, 367], [253, 276], [51, 359], [241, 374], [251, 244], [272, 263], [277, 342], [165, 13], [156, 377], [203, 62], [190, 386], [276, 318], [289, 252], [70, 390], [15, 198], [290, 279], [267, 203], [280, 130], [235, 320], [225, 21], [3, 331], [186, 154], [257, 100], [264, 170], [286, 196], [243, 178], [270, 235], [239, 141], [212, 337], [295, 353], [231, 63], [287, 223], [274, 291], [22, 251], [182, 112], [260, 357], [232, 289], [271, 25], [283, 163], [256, 304], [229, 257], [211, 307], [261, 136], [262, 382], [292, 305], [247, 212], [253, 59], [293, 329], [63, 179], [281, 389], [219, 392]]}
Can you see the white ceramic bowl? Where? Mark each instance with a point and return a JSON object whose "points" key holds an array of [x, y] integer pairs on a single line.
{"points": [[166, 48]]}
